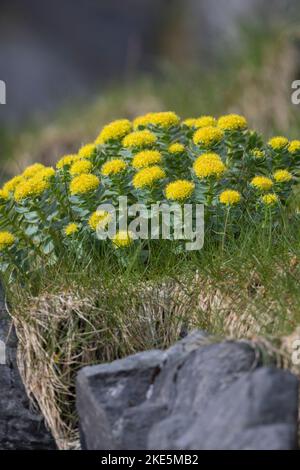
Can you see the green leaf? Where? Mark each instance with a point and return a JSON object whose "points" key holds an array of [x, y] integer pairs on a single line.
{"points": [[48, 247], [21, 209], [32, 230], [32, 216]]}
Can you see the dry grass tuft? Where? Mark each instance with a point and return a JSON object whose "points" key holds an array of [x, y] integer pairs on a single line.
{"points": [[60, 333]]}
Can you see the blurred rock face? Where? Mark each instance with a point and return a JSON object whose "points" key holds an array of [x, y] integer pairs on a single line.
{"points": [[211, 28], [56, 51]]}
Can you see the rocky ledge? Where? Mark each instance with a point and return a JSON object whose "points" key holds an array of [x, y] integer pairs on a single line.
{"points": [[21, 427], [197, 395]]}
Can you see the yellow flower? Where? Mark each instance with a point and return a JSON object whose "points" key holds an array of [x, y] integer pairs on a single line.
{"points": [[4, 195], [294, 146], [208, 136], [282, 176], [67, 160], [11, 185], [176, 148], [257, 153], [113, 167], [84, 183], [205, 121], [148, 177], [123, 239], [32, 170], [31, 188], [81, 167], [209, 164], [269, 199], [163, 119], [180, 190], [230, 197], [146, 158], [86, 151], [278, 143], [71, 228], [99, 219], [190, 122], [202, 121], [23, 191], [232, 122], [262, 182], [115, 130], [139, 139], [6, 240], [46, 173]]}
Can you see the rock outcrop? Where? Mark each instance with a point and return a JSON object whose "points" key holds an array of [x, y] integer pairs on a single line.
{"points": [[21, 427], [196, 395]]}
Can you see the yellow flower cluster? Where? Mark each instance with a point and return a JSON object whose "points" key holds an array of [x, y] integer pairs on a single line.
{"points": [[31, 188], [147, 177], [282, 176], [99, 219], [86, 151], [71, 228], [163, 119], [202, 121], [294, 146], [140, 139], [45, 173], [176, 148], [146, 158], [84, 183], [11, 185], [7, 239], [113, 167], [230, 197], [278, 143], [209, 164], [189, 122], [262, 183], [34, 185], [269, 199], [115, 130], [33, 182], [80, 167], [208, 136], [232, 122], [257, 153], [123, 239], [67, 160], [205, 121], [32, 170], [180, 190], [4, 195]]}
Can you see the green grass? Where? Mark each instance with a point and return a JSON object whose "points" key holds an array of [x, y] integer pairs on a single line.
{"points": [[259, 267], [80, 312]]}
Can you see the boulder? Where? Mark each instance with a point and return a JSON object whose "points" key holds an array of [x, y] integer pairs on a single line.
{"points": [[197, 395]]}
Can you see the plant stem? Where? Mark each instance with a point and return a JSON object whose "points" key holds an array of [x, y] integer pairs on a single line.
{"points": [[225, 228]]}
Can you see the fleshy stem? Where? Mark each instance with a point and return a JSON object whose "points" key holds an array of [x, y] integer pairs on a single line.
{"points": [[225, 227]]}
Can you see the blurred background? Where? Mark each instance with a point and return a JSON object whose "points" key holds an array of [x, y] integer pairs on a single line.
{"points": [[72, 65]]}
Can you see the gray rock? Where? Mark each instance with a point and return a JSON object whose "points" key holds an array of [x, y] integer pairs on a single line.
{"points": [[257, 411], [116, 387], [196, 395], [21, 427]]}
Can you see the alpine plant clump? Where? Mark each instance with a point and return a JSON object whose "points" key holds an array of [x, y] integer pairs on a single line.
{"points": [[157, 158]]}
